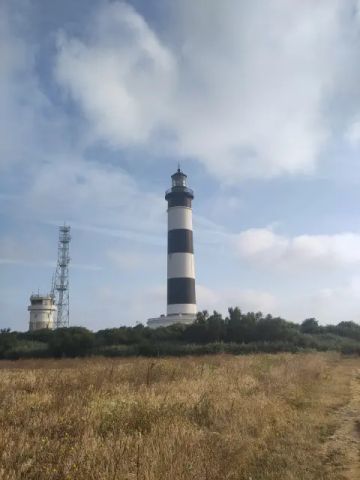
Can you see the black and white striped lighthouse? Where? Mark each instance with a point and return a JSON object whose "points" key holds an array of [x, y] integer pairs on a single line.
{"points": [[181, 298]]}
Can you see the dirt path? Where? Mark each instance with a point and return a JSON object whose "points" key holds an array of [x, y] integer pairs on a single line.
{"points": [[343, 447]]}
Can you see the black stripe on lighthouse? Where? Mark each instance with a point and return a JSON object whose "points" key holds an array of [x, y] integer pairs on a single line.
{"points": [[178, 199], [180, 240], [181, 290]]}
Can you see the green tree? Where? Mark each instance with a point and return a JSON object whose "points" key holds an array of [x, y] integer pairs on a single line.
{"points": [[8, 340], [271, 329], [71, 342], [215, 328], [309, 325], [241, 328]]}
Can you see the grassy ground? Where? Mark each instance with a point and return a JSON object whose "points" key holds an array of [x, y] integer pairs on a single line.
{"points": [[205, 418]]}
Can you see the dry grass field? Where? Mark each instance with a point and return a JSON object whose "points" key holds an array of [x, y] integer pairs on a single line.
{"points": [[257, 417]]}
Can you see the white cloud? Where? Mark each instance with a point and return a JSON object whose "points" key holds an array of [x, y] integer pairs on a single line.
{"points": [[337, 304], [241, 86], [265, 247], [352, 135], [330, 305], [19, 95], [122, 76], [31, 127]]}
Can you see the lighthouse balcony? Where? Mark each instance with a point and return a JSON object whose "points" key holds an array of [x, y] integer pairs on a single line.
{"points": [[179, 196], [180, 189]]}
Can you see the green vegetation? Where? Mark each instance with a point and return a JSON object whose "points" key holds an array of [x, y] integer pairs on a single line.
{"points": [[238, 333]]}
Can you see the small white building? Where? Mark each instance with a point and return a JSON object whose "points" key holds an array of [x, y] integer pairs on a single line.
{"points": [[42, 310]]}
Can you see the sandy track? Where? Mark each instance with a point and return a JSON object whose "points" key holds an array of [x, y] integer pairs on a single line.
{"points": [[342, 450]]}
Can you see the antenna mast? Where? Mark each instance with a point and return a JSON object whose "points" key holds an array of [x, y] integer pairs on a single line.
{"points": [[60, 286]]}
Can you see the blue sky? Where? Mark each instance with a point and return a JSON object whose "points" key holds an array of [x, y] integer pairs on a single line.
{"points": [[259, 101]]}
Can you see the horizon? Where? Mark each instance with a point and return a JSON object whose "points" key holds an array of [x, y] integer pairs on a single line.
{"points": [[259, 104]]}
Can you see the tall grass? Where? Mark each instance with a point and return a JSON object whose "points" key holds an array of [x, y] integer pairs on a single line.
{"points": [[206, 418]]}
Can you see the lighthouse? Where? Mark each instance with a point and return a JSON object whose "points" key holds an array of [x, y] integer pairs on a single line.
{"points": [[181, 297]]}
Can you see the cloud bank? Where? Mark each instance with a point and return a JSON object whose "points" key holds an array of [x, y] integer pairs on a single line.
{"points": [[265, 247], [244, 87]]}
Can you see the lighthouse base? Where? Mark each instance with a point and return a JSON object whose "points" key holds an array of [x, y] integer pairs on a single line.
{"points": [[167, 320]]}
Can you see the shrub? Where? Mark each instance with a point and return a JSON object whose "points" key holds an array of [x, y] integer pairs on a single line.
{"points": [[71, 342]]}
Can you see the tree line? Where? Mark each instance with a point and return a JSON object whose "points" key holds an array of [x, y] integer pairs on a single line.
{"points": [[237, 333]]}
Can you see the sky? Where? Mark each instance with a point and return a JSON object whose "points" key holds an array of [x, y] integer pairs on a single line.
{"points": [[259, 102]]}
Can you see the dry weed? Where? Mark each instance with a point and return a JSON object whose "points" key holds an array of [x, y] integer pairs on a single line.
{"points": [[209, 418]]}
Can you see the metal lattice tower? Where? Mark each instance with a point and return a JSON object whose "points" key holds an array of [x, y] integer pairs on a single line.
{"points": [[60, 286]]}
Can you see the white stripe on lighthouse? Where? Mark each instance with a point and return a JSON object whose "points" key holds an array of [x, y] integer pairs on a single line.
{"points": [[181, 265], [182, 308], [179, 218]]}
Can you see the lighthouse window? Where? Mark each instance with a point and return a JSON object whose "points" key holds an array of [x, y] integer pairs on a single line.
{"points": [[179, 181]]}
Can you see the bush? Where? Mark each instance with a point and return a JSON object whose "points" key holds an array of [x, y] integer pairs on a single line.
{"points": [[71, 342], [27, 349], [238, 333]]}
